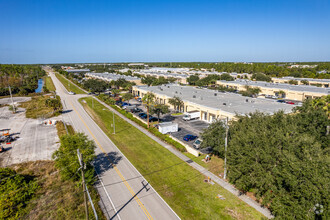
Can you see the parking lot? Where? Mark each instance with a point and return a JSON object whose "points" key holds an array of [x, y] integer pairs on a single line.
{"points": [[193, 127]]}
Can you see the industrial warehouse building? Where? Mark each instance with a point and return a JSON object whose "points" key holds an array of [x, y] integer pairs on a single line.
{"points": [[110, 77], [291, 92], [210, 103], [325, 83]]}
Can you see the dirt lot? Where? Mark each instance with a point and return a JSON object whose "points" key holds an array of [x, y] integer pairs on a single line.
{"points": [[35, 141]]}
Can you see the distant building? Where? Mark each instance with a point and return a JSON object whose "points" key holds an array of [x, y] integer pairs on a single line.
{"points": [[292, 92], [325, 83], [302, 66], [111, 76], [77, 70], [137, 64]]}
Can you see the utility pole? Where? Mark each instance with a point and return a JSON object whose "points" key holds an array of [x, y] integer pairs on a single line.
{"points": [[81, 162], [226, 142], [113, 118], [12, 101]]}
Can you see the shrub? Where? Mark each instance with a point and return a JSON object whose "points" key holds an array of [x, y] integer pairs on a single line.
{"points": [[15, 192]]}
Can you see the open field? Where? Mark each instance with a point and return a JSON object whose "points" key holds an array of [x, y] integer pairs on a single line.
{"points": [[36, 108], [181, 186], [49, 84], [68, 85]]}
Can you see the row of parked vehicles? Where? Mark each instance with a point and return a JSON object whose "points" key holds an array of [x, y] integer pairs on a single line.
{"points": [[287, 102]]}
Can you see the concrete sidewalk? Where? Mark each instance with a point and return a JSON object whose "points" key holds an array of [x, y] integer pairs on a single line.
{"points": [[198, 167]]}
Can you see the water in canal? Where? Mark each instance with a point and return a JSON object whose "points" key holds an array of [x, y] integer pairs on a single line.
{"points": [[40, 85]]}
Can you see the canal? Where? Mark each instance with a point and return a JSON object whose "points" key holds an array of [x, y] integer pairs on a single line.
{"points": [[40, 85]]}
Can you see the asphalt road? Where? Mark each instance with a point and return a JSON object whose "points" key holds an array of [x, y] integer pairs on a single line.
{"points": [[125, 194]]}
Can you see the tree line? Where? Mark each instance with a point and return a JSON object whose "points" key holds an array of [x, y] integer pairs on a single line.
{"points": [[283, 159], [22, 79]]}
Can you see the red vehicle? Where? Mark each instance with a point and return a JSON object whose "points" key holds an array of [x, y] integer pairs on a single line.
{"points": [[289, 102]]}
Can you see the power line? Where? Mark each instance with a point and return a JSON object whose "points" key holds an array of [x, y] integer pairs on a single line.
{"points": [[82, 167], [152, 172]]}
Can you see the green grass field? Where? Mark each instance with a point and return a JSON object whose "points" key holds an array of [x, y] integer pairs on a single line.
{"points": [[180, 185], [68, 85], [49, 83]]}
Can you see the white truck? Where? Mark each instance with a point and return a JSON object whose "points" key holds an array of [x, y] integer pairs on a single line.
{"points": [[167, 127], [191, 115]]}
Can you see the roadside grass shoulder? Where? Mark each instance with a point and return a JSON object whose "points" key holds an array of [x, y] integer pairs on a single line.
{"points": [[69, 85], [181, 186], [49, 84], [215, 165], [61, 129]]}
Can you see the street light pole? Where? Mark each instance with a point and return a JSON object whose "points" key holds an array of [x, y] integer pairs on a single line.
{"points": [[113, 118], [226, 143]]}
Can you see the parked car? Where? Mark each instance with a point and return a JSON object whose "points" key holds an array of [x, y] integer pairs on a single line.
{"points": [[125, 106], [139, 99], [197, 143], [143, 115], [124, 103], [281, 101], [289, 102], [136, 110], [71, 93], [151, 119], [189, 137]]}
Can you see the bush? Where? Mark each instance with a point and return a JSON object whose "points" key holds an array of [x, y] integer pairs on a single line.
{"points": [[15, 192]]}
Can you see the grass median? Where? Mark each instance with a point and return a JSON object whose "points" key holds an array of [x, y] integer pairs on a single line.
{"points": [[69, 85], [49, 84], [181, 186]]}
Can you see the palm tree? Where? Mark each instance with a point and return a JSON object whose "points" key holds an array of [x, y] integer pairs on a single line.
{"points": [[176, 102], [149, 100], [159, 109]]}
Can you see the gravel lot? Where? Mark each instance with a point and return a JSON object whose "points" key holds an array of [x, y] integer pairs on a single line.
{"points": [[35, 141], [6, 101]]}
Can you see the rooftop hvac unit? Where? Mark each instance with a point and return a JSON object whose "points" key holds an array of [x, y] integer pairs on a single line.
{"points": [[224, 103], [176, 92], [194, 96], [215, 94]]}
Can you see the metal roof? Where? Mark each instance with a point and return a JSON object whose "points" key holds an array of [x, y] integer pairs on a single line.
{"points": [[280, 86], [308, 79], [77, 70], [111, 76], [228, 102]]}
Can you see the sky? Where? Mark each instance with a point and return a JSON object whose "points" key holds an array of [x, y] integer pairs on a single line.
{"points": [[77, 31]]}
